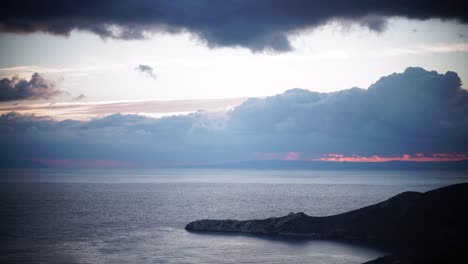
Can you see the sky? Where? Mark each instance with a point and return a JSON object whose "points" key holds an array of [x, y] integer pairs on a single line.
{"points": [[199, 82]]}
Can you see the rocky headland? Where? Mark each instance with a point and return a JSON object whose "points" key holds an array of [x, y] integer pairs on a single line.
{"points": [[417, 225]]}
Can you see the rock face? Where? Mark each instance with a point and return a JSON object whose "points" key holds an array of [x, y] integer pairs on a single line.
{"points": [[438, 218], [289, 224]]}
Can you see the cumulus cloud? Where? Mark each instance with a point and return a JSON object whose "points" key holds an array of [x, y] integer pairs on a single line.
{"points": [[257, 25], [38, 87], [147, 70], [416, 113]]}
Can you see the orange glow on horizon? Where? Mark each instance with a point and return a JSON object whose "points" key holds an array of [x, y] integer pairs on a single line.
{"points": [[418, 157], [335, 157], [292, 156]]}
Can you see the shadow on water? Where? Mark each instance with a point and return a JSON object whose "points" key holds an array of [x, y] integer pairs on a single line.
{"points": [[295, 240]]}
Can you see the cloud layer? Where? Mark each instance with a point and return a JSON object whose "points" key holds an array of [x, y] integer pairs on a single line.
{"points": [[417, 112], [20, 89], [257, 25], [93, 110]]}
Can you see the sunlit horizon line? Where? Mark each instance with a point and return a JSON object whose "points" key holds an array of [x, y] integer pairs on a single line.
{"points": [[416, 157], [86, 111], [335, 157], [289, 156], [67, 103]]}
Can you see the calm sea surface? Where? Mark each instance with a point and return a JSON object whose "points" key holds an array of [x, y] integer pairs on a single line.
{"points": [[138, 216]]}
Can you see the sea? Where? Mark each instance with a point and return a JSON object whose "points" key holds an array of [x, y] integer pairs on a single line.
{"points": [[138, 216]]}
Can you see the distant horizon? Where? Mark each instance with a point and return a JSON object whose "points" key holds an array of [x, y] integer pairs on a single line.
{"points": [[270, 128], [460, 165]]}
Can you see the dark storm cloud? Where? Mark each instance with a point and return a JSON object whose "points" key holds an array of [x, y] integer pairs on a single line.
{"points": [[20, 89], [147, 70], [257, 25], [416, 111]]}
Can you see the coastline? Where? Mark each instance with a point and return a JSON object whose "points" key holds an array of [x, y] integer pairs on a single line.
{"points": [[420, 226]]}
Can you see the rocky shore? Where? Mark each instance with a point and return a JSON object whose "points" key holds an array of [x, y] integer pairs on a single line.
{"points": [[418, 224]]}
